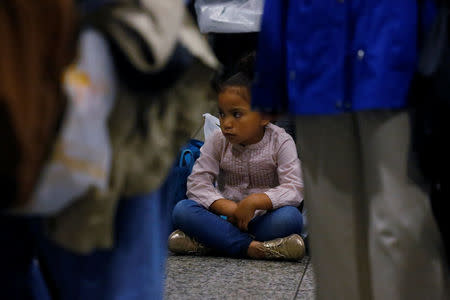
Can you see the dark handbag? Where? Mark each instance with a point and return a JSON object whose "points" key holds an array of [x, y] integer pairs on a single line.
{"points": [[430, 95]]}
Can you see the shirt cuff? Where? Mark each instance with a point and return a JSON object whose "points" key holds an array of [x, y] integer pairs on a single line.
{"points": [[207, 200], [285, 198], [275, 198]]}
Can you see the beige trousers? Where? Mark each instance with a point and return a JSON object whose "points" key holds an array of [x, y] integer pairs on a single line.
{"points": [[371, 227]]}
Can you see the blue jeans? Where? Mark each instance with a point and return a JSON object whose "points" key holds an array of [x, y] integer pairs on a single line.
{"points": [[33, 267], [219, 234]]}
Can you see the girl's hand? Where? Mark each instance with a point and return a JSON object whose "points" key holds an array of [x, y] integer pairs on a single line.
{"points": [[244, 213], [246, 209], [232, 220], [223, 207]]}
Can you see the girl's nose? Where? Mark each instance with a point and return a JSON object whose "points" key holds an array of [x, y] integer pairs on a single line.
{"points": [[226, 123]]}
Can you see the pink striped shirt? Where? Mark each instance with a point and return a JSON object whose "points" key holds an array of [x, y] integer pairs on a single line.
{"points": [[233, 172]]}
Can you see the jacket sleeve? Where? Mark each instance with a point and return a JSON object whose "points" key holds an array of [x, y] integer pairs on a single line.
{"points": [[269, 92], [200, 184], [290, 188]]}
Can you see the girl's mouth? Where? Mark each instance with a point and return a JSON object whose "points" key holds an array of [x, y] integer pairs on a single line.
{"points": [[229, 134]]}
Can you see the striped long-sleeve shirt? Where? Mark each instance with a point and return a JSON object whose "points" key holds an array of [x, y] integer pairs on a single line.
{"points": [[233, 172]]}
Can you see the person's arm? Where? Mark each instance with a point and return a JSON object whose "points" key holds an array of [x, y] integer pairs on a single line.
{"points": [[289, 192], [200, 184], [269, 93]]}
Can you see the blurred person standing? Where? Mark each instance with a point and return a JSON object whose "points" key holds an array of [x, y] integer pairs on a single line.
{"points": [[344, 69], [34, 54], [109, 242]]}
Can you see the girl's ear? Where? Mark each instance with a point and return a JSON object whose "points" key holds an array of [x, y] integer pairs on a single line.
{"points": [[265, 119]]}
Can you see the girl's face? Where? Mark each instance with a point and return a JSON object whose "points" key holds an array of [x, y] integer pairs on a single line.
{"points": [[239, 124]]}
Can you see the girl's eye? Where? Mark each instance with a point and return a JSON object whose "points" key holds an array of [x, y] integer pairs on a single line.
{"points": [[221, 115], [237, 114]]}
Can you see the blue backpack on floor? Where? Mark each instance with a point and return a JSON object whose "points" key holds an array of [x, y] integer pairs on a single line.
{"points": [[174, 189]]}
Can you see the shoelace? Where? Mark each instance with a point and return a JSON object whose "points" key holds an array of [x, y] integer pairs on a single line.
{"points": [[199, 247], [272, 251]]}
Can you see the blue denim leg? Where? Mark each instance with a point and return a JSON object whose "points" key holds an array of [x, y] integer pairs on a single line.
{"points": [[278, 223], [133, 269], [210, 229]]}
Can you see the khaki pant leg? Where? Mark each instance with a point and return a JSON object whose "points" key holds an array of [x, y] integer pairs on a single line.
{"points": [[406, 258], [330, 156]]}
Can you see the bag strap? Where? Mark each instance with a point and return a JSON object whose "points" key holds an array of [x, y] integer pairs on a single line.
{"points": [[186, 158]]}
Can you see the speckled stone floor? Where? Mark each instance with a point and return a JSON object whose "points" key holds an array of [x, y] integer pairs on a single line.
{"points": [[191, 277]]}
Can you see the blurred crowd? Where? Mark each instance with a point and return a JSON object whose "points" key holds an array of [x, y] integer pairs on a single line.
{"points": [[97, 97]]}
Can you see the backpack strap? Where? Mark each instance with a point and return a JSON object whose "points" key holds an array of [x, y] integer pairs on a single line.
{"points": [[186, 158]]}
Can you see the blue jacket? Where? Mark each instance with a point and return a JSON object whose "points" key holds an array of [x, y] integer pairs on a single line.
{"points": [[334, 56]]}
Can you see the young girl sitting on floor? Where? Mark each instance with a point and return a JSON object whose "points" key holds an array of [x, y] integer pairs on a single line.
{"points": [[245, 187]]}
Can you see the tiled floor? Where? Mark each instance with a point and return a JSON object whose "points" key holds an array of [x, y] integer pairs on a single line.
{"points": [[190, 277]]}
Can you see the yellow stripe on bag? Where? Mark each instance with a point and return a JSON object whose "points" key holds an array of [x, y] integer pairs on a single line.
{"points": [[76, 164]]}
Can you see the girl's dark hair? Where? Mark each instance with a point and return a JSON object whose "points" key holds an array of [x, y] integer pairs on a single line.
{"points": [[241, 77]]}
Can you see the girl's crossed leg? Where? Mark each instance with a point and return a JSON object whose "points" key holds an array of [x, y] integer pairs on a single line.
{"points": [[278, 228]]}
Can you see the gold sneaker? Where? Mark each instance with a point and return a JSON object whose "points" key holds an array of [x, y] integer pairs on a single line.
{"points": [[180, 243], [288, 248]]}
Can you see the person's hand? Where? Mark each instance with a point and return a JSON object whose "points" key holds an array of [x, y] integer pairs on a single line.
{"points": [[232, 220], [244, 213], [224, 207], [246, 209]]}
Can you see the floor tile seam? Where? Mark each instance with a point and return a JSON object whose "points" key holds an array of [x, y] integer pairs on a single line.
{"points": [[301, 279]]}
